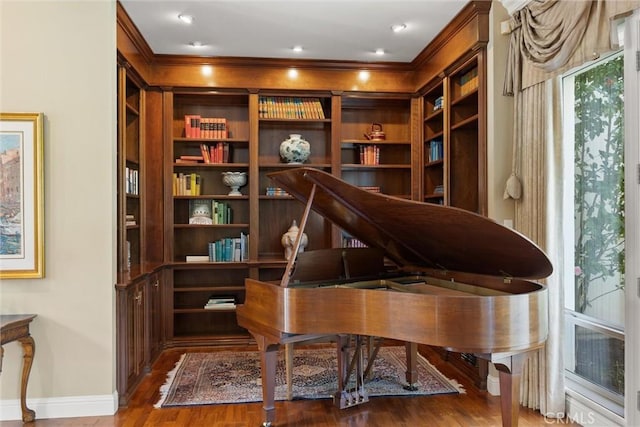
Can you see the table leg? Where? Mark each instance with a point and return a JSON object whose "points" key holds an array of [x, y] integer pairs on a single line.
{"points": [[28, 350]]}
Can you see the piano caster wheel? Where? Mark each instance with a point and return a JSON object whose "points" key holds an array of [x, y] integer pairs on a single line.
{"points": [[266, 424], [410, 387]]}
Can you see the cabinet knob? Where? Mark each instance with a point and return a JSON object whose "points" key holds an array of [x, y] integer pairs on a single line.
{"points": [[156, 284]]}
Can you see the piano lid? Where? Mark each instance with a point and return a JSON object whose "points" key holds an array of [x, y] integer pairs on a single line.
{"points": [[416, 234]]}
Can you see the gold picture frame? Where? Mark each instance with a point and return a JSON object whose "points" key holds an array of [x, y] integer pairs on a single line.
{"points": [[21, 196]]}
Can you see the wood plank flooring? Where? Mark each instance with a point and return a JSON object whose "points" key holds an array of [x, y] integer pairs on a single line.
{"points": [[473, 409]]}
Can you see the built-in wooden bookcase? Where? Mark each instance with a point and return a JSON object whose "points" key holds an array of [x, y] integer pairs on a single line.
{"points": [[223, 145], [382, 165], [435, 141], [193, 286], [464, 141], [130, 172], [454, 140], [277, 211]]}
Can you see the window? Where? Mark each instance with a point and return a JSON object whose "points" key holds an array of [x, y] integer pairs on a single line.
{"points": [[593, 113]]}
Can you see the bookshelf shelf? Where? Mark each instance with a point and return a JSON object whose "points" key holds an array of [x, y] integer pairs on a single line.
{"points": [[204, 226], [356, 166], [296, 121], [211, 165]]}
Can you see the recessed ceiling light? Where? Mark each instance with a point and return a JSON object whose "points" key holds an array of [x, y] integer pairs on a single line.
{"points": [[379, 51], [398, 27], [297, 49], [187, 19]]}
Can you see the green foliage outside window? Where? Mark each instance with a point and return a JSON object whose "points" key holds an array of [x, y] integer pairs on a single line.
{"points": [[599, 217]]}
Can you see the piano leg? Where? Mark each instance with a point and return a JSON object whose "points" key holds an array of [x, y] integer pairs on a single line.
{"points": [[510, 388], [411, 374], [342, 349], [268, 360]]}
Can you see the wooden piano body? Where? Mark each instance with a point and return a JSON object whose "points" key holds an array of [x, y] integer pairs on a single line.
{"points": [[460, 283]]}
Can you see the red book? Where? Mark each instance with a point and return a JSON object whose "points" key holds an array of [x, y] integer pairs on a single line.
{"points": [[187, 126], [212, 154], [196, 158], [205, 153]]}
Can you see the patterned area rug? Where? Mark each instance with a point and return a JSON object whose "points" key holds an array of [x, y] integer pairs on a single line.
{"points": [[234, 377]]}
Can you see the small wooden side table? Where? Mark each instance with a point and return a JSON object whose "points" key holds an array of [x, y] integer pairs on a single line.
{"points": [[16, 327]]}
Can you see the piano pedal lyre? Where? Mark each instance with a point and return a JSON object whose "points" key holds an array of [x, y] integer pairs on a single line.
{"points": [[351, 397], [347, 397]]}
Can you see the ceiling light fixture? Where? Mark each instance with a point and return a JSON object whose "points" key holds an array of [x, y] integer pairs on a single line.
{"points": [[398, 27], [379, 51], [196, 44], [187, 19], [297, 49]]}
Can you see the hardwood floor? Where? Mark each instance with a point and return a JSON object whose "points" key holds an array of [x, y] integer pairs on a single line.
{"points": [[473, 409]]}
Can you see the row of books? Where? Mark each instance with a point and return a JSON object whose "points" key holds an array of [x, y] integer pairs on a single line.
{"points": [[276, 191], [437, 104], [130, 219], [132, 181], [469, 81], [436, 150], [229, 249], [187, 184], [209, 211], [285, 107], [220, 303], [196, 126], [369, 155], [214, 153], [352, 242], [371, 188]]}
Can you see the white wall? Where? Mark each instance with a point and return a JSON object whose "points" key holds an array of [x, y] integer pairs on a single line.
{"points": [[499, 119], [499, 137], [59, 58]]}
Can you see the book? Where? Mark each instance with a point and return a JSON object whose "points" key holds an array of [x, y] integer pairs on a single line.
{"points": [[192, 126], [197, 258], [220, 303]]}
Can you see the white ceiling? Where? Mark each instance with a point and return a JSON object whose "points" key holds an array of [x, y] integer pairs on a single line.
{"points": [[343, 30]]}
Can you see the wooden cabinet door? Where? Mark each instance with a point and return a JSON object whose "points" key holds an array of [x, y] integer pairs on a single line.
{"points": [[154, 316], [131, 333]]}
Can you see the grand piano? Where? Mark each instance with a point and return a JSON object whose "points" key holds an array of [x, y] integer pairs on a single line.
{"points": [[457, 280]]}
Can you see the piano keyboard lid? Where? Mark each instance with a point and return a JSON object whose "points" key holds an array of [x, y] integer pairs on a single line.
{"points": [[419, 234]]}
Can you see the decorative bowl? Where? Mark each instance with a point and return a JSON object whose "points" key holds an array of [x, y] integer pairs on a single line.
{"points": [[235, 180]]}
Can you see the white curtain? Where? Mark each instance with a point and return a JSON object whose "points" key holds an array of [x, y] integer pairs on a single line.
{"points": [[547, 38]]}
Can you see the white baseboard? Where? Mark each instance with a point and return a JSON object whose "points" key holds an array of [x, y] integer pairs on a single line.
{"points": [[61, 407], [584, 412]]}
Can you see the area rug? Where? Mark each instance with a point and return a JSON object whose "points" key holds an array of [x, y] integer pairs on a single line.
{"points": [[208, 378]]}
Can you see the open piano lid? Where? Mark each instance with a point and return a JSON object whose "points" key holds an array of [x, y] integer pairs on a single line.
{"points": [[418, 235]]}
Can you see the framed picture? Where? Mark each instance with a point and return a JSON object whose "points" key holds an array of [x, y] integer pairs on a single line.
{"points": [[21, 196], [200, 212]]}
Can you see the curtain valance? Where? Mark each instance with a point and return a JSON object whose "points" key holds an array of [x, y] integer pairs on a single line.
{"points": [[549, 37]]}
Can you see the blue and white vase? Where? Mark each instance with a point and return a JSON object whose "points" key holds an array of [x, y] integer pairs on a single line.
{"points": [[295, 150]]}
